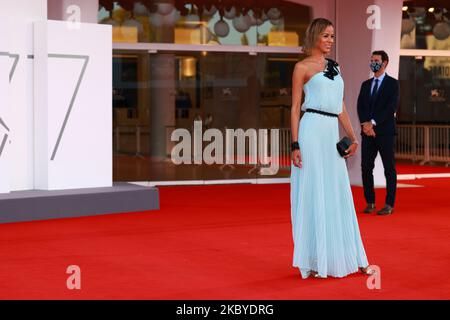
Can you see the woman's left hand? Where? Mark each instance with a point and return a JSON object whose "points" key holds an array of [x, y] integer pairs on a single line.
{"points": [[351, 150]]}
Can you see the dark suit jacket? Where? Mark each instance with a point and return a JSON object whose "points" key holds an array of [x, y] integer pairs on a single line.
{"points": [[384, 106]]}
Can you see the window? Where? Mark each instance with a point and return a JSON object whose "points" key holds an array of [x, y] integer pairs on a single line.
{"points": [[267, 23]]}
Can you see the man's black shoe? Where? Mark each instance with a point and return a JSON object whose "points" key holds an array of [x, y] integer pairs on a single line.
{"points": [[370, 208], [386, 210]]}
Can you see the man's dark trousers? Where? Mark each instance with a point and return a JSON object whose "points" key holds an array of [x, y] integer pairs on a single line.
{"points": [[370, 146]]}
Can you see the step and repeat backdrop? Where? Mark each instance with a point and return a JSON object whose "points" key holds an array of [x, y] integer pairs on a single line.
{"points": [[55, 107]]}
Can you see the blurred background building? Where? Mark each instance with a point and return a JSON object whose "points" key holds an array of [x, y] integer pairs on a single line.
{"points": [[229, 63]]}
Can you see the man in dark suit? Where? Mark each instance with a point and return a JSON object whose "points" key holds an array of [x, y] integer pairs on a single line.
{"points": [[377, 104]]}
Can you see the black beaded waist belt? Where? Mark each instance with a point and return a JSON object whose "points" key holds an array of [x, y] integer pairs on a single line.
{"points": [[322, 112]]}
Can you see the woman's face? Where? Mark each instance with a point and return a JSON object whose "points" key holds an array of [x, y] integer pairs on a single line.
{"points": [[326, 39]]}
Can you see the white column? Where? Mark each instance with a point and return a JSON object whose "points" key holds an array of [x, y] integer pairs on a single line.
{"points": [[162, 101], [387, 37], [355, 42], [58, 9], [162, 94]]}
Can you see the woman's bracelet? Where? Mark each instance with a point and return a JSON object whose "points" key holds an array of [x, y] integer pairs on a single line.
{"points": [[295, 146], [355, 142]]}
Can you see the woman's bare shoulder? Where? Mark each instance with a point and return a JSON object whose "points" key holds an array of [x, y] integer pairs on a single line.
{"points": [[306, 64], [301, 67]]}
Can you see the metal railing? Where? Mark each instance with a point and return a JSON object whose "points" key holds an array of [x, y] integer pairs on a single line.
{"points": [[423, 142], [131, 139], [410, 142], [285, 148]]}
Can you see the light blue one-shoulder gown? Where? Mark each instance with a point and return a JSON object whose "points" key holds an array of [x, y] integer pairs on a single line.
{"points": [[324, 224]]}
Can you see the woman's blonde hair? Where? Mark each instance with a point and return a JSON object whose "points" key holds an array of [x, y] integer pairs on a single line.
{"points": [[315, 28]]}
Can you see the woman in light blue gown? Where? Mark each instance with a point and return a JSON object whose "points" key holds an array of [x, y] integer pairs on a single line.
{"points": [[327, 241]]}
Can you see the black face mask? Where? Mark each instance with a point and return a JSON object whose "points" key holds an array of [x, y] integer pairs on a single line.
{"points": [[375, 66]]}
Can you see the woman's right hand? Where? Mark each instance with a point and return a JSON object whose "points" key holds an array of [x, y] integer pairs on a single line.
{"points": [[297, 158]]}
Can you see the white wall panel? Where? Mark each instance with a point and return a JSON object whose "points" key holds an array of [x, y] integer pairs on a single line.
{"points": [[22, 14], [5, 131], [73, 106]]}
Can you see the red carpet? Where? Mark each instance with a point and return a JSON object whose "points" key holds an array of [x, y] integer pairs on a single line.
{"points": [[225, 242]]}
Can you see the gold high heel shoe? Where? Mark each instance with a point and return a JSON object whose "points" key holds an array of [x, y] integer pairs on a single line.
{"points": [[315, 274], [367, 271]]}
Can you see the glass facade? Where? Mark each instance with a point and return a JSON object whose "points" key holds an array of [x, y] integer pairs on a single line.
{"points": [[424, 75], [426, 27], [425, 79], [159, 92], [154, 94], [425, 90], [262, 23]]}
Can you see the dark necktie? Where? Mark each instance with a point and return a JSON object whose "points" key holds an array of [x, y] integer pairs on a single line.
{"points": [[375, 88], [373, 96]]}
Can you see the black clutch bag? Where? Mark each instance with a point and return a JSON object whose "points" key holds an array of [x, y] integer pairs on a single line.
{"points": [[343, 145]]}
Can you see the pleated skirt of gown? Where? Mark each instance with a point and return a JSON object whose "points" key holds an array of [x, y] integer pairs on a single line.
{"points": [[324, 225]]}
